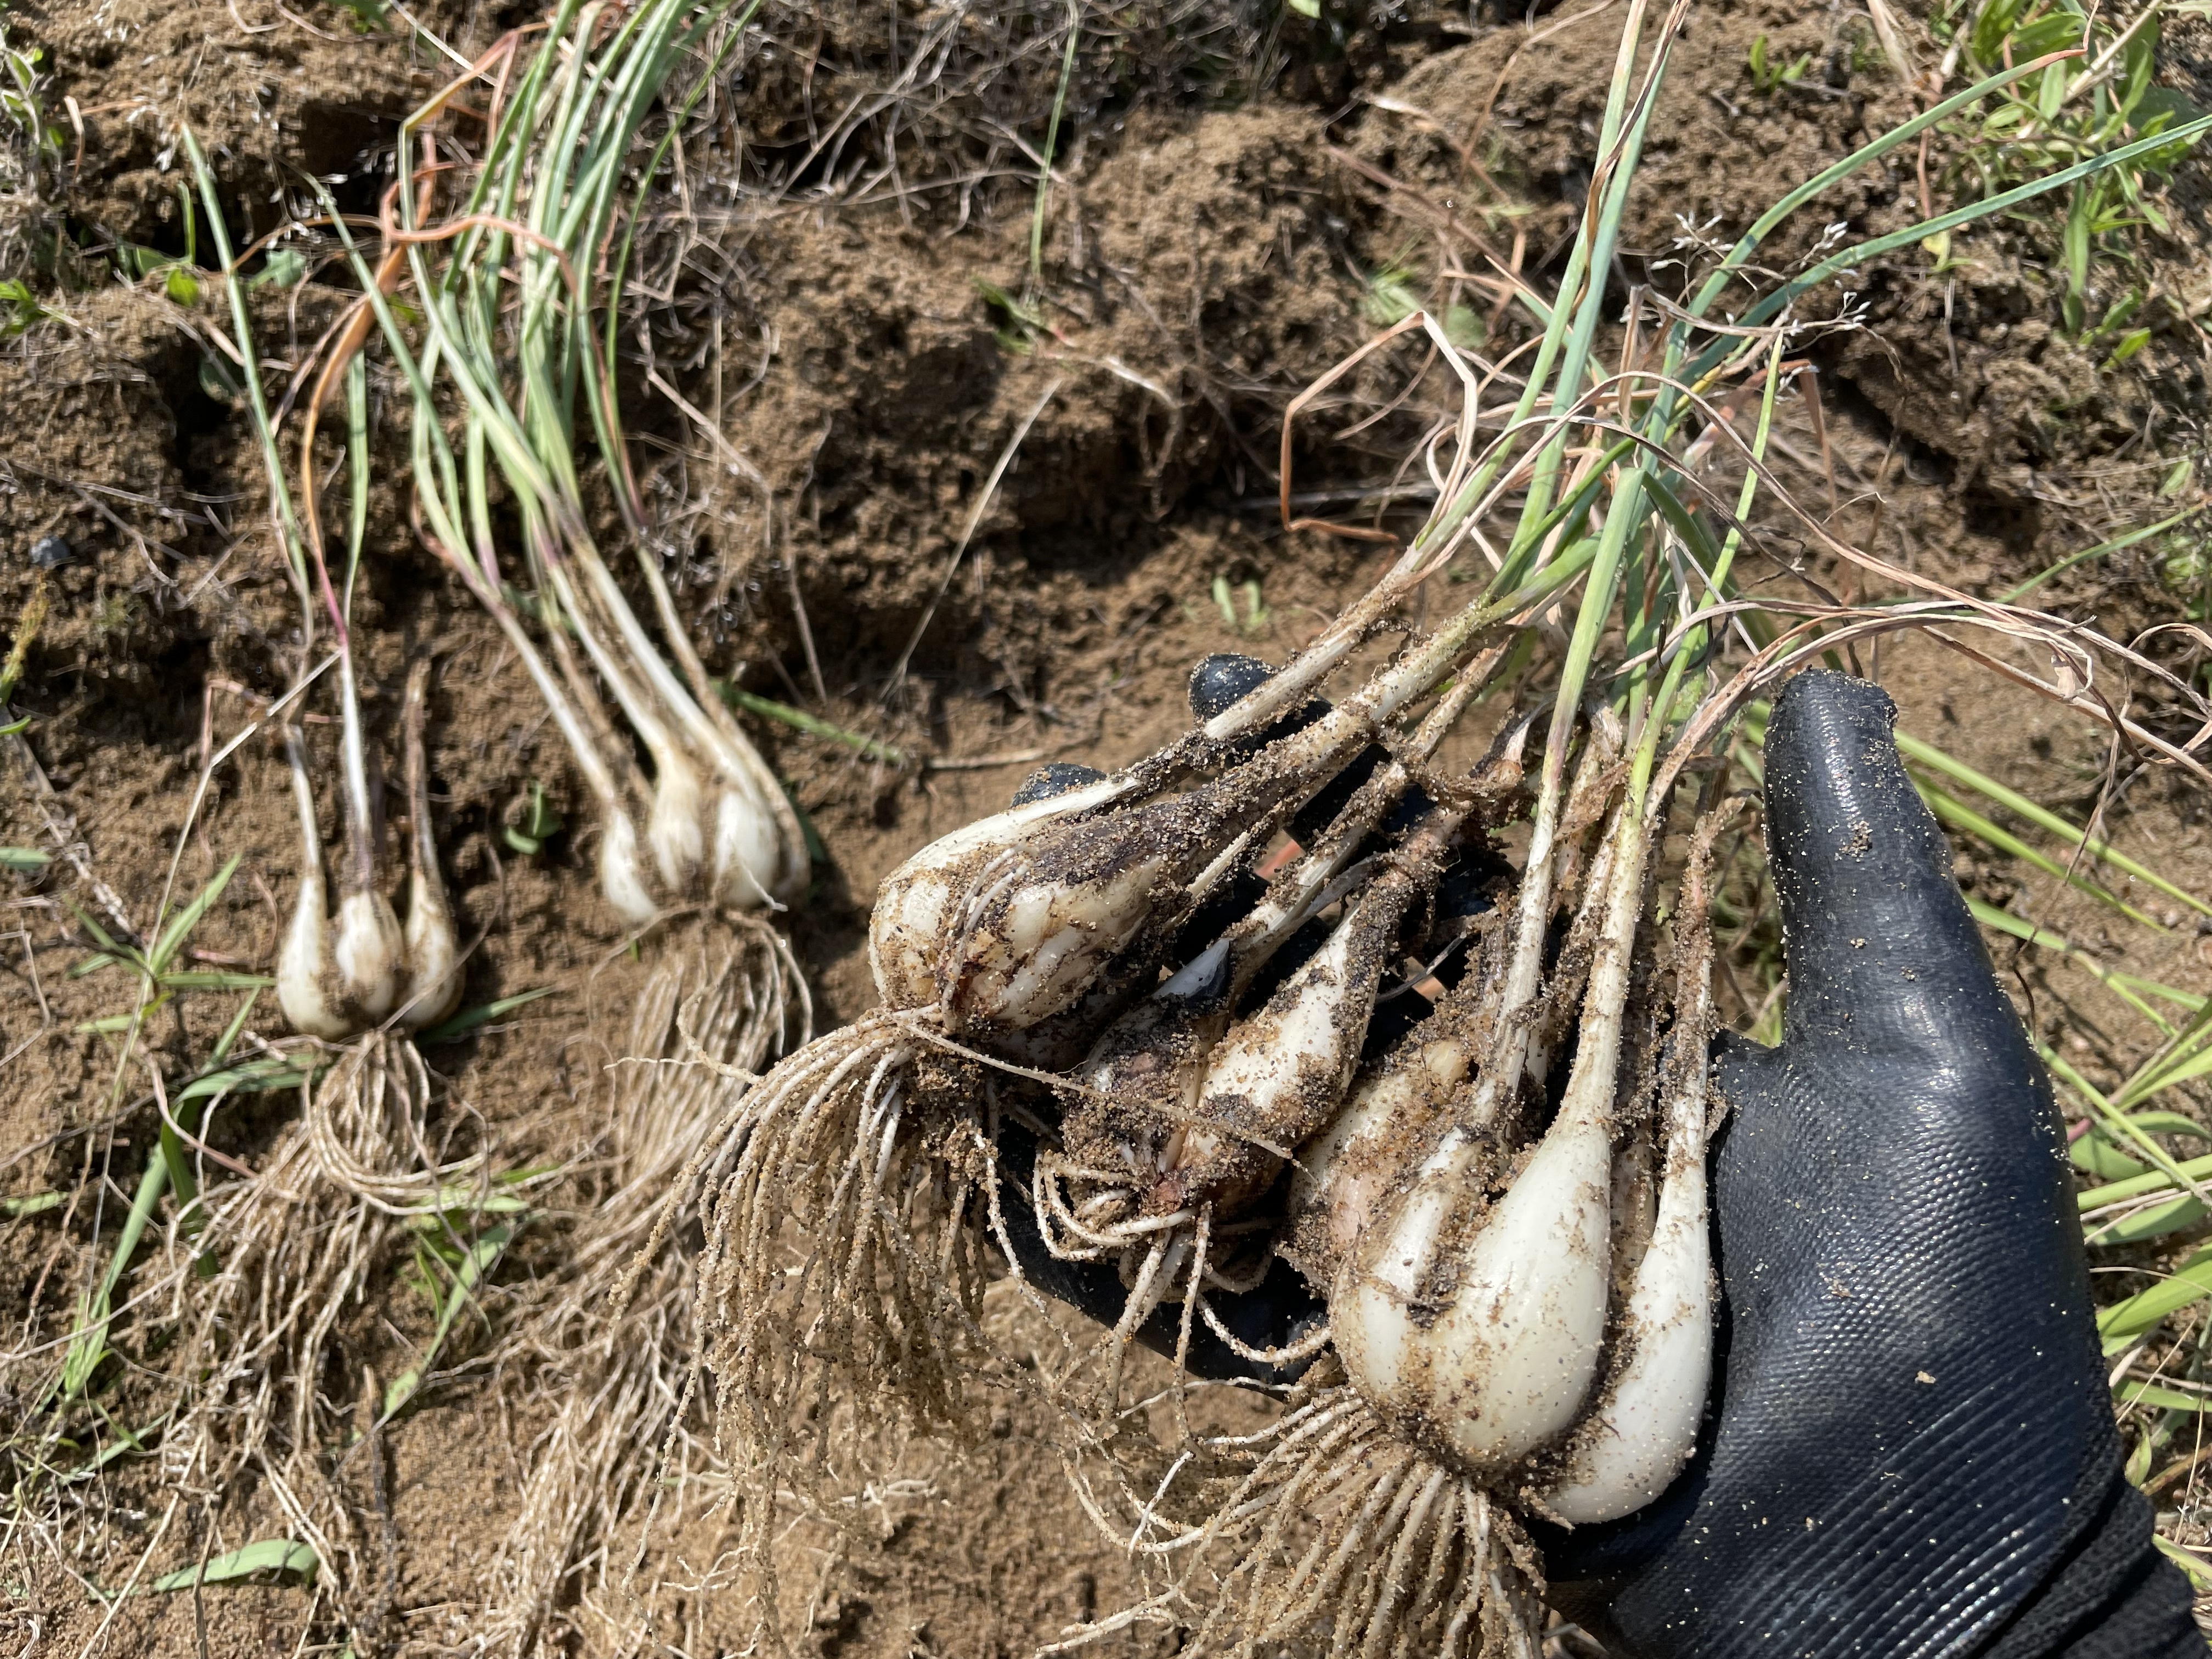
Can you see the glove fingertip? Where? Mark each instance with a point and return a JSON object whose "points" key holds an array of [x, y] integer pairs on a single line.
{"points": [[1869, 910]]}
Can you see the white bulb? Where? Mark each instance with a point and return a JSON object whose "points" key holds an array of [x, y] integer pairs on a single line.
{"points": [[303, 965], [433, 978], [675, 829], [747, 850], [367, 956], [1503, 1369], [621, 873]]}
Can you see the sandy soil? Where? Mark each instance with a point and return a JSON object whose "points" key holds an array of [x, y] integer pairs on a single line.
{"points": [[1206, 259]]}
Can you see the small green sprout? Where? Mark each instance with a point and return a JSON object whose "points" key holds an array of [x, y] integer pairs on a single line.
{"points": [[1023, 322], [1770, 74], [1391, 298], [1256, 615], [531, 822], [367, 16], [285, 267]]}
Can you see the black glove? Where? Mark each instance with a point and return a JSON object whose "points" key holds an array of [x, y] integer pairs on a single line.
{"points": [[1910, 1449]]}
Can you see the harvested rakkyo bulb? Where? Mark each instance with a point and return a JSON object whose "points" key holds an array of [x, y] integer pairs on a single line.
{"points": [[1002, 954], [1190, 1103], [338, 976], [1512, 1332]]}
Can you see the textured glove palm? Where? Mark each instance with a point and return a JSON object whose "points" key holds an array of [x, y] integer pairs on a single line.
{"points": [[1911, 1448]]}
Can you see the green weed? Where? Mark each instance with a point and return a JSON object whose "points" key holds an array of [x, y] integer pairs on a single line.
{"points": [[22, 105], [1391, 298], [1255, 616], [2087, 105], [530, 822], [1770, 74]]}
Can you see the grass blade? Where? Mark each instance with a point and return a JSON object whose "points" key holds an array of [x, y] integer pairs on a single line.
{"points": [[2124, 1321], [2128, 987], [1928, 755], [296, 1562], [469, 1018], [1961, 816], [172, 936], [481, 1257], [798, 720], [2087, 553]]}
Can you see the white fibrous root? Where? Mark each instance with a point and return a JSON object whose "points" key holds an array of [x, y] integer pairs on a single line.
{"points": [[337, 978]]}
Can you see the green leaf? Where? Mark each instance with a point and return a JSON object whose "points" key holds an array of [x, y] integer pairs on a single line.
{"points": [[2052, 31], [799, 720], [2169, 1123], [474, 1266], [2079, 216], [1306, 8], [1993, 24], [2130, 343], [261, 1075], [2124, 1321], [215, 981], [2155, 1223], [2131, 988], [367, 15], [2158, 110], [2117, 1122], [2196, 1169], [189, 918], [14, 1209], [140, 262], [216, 382], [2052, 91], [1928, 755], [2141, 59], [2188, 1055], [469, 1018], [1960, 815], [461, 1202], [99, 935], [2142, 533], [296, 1562], [2095, 1156], [285, 267], [2137, 1467], [536, 822], [181, 286], [2200, 1573], [2153, 1393], [24, 859]]}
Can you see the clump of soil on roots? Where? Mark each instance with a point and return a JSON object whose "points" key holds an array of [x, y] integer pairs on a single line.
{"points": [[851, 319]]}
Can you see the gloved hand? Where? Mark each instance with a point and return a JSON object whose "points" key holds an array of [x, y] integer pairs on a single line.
{"points": [[1908, 1449], [1910, 1446]]}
